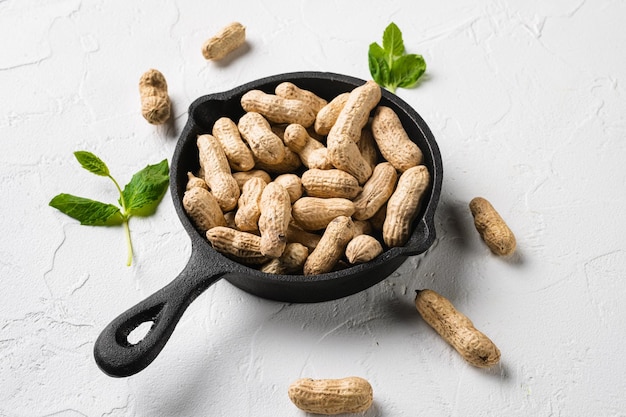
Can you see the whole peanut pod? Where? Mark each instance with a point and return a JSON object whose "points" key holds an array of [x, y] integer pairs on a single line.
{"points": [[238, 154], [243, 176], [332, 396], [392, 140], [329, 183], [155, 102], [376, 191], [314, 213], [203, 209], [363, 248], [290, 163], [291, 91], [327, 115], [242, 247], [274, 219], [312, 152], [193, 181], [224, 42], [403, 205], [278, 109], [292, 183], [492, 228], [456, 329], [249, 205], [217, 172], [356, 111], [264, 144], [331, 246], [346, 132]]}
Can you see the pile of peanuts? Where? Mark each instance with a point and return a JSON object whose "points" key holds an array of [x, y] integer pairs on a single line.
{"points": [[358, 189]]}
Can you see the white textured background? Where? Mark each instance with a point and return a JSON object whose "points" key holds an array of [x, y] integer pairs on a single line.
{"points": [[527, 101]]}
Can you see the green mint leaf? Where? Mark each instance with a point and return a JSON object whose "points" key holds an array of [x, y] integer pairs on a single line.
{"points": [[390, 66], [142, 194], [92, 163], [88, 212], [378, 64], [407, 70], [392, 42]]}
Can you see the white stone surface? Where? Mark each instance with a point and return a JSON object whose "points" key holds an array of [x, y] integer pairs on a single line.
{"points": [[527, 102]]}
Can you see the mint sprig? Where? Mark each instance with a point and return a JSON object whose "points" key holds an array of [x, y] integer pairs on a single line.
{"points": [[390, 66], [140, 197]]}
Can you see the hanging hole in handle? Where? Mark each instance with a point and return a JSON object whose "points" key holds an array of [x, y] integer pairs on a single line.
{"points": [[138, 333], [137, 328]]}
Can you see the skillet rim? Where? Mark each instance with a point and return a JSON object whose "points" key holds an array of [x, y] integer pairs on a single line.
{"points": [[239, 273]]}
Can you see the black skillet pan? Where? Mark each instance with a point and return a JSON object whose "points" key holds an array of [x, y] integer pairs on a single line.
{"points": [[116, 356]]}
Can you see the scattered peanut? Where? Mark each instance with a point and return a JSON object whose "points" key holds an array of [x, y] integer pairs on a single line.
{"points": [[363, 248], [456, 329], [328, 183], [225, 41], [155, 102], [238, 154], [492, 228], [330, 247], [278, 109], [203, 209], [274, 219], [314, 213], [291, 91], [217, 172], [290, 262], [393, 142], [403, 205], [332, 396]]}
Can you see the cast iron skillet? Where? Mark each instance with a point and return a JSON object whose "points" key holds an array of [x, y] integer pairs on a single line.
{"points": [[116, 356]]}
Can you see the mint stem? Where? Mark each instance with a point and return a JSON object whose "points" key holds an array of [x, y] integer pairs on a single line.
{"points": [[129, 243]]}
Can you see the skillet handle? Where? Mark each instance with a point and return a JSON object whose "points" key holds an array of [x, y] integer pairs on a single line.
{"points": [[118, 357]]}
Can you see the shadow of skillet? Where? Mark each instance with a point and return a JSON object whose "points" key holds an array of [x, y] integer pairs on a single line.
{"points": [[353, 319]]}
